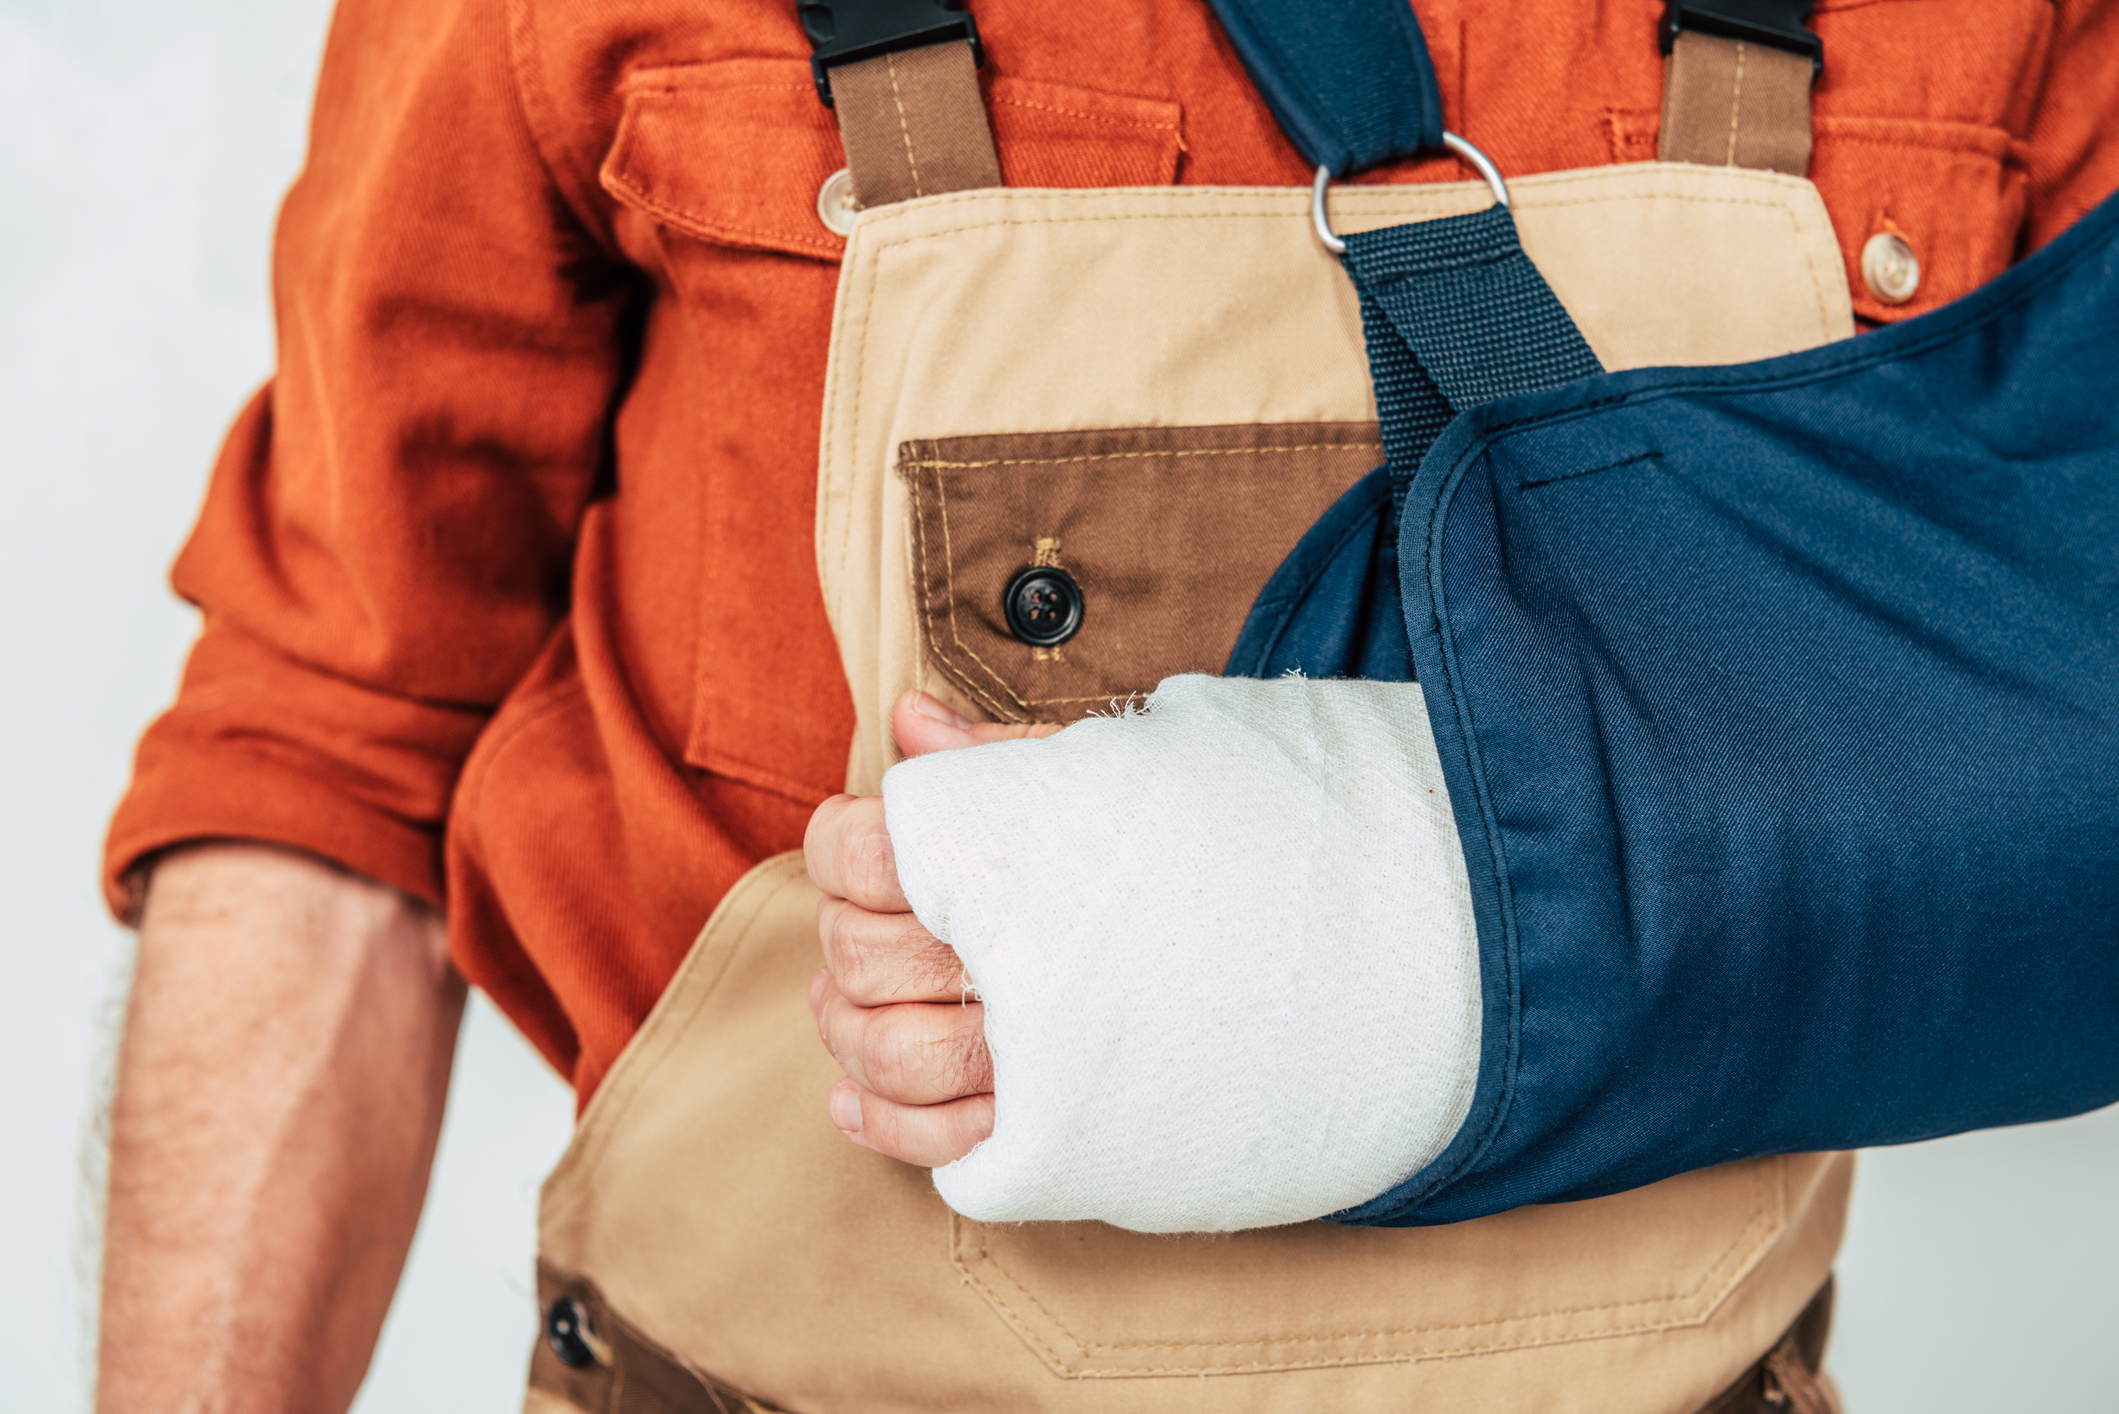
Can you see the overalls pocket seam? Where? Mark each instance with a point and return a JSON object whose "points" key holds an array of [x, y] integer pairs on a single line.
{"points": [[1155, 596]]}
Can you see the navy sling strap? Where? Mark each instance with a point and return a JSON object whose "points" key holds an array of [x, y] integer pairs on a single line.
{"points": [[1454, 315], [1779, 707], [1453, 312]]}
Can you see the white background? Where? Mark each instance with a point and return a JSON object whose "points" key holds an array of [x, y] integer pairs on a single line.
{"points": [[143, 147]]}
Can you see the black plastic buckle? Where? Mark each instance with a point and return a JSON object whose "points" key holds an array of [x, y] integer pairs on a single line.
{"points": [[845, 31], [1778, 23]]}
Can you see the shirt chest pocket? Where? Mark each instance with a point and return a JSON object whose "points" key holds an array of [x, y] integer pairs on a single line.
{"points": [[735, 152], [715, 171]]}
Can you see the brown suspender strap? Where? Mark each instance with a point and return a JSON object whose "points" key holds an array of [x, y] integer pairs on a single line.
{"points": [[1728, 103], [914, 124]]}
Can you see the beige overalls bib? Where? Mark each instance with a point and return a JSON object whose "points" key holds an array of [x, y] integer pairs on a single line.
{"points": [[1158, 390]]}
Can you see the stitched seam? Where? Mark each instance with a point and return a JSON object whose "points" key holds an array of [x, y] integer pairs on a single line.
{"points": [[1954, 139], [1590, 471], [949, 588], [1381, 1357], [1086, 117], [1411, 1352], [670, 89], [666, 88], [941, 498], [833, 248], [1022, 703], [1837, 265], [999, 709], [1736, 102], [1707, 1275], [1027, 704], [868, 308], [920, 653], [985, 1255], [1664, 196], [991, 223], [1130, 456], [1287, 195], [686, 220], [926, 614], [1280, 201], [890, 65], [1511, 1056], [735, 766], [957, 1259]]}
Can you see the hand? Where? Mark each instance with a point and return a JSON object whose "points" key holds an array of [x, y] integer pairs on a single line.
{"points": [[892, 1002]]}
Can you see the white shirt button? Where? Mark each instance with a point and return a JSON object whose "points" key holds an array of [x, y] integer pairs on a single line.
{"points": [[836, 207], [1889, 268]]}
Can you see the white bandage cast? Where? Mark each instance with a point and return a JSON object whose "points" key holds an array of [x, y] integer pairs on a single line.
{"points": [[1225, 946]]}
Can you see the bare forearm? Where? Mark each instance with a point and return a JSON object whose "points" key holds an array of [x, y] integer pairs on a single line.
{"points": [[280, 1091]]}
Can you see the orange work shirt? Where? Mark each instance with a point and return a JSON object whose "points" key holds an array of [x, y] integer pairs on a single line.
{"points": [[507, 576]]}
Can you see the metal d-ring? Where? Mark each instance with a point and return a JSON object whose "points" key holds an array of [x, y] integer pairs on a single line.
{"points": [[1478, 160]]}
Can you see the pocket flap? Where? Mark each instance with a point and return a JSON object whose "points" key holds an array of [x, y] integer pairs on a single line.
{"points": [[1165, 536], [735, 151], [1953, 192]]}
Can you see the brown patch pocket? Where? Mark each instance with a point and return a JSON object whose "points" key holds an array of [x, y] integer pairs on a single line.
{"points": [[1169, 533], [734, 151]]}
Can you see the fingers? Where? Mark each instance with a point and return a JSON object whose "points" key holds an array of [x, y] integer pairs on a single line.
{"points": [[849, 856], [919, 1086], [880, 958], [847, 847], [890, 1005], [923, 724], [915, 1053], [927, 1135]]}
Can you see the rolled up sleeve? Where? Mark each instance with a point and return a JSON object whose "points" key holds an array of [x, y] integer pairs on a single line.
{"points": [[387, 537]]}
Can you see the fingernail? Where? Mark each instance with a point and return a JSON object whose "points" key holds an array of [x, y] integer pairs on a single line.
{"points": [[935, 710], [846, 1108]]}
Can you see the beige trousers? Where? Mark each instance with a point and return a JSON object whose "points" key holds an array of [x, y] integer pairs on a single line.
{"points": [[1158, 390]]}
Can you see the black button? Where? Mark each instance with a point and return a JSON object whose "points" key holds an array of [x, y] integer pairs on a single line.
{"points": [[1043, 605], [565, 1330]]}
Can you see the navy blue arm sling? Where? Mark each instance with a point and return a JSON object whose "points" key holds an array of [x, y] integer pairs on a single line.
{"points": [[1778, 703]]}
